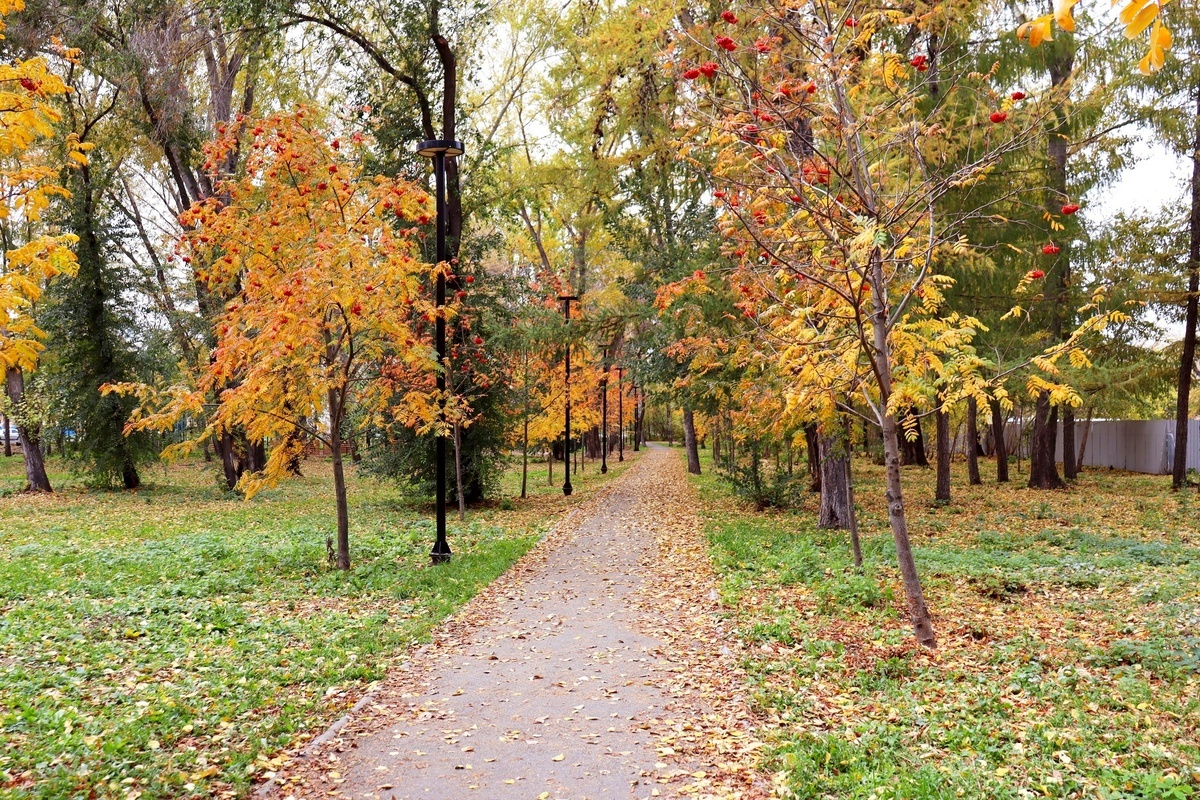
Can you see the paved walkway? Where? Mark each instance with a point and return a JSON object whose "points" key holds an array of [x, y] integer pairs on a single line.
{"points": [[562, 693]]}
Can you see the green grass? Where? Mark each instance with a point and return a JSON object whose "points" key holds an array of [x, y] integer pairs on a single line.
{"points": [[173, 640], [1069, 626]]}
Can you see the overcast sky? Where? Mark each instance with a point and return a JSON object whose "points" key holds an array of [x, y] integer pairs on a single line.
{"points": [[1158, 176]]}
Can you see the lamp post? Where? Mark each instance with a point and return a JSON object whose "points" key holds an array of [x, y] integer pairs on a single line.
{"points": [[604, 413], [566, 301], [620, 415], [438, 150]]}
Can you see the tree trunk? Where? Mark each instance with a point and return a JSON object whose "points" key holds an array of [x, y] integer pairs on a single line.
{"points": [[638, 412], [1043, 468], [256, 456], [912, 451], [294, 443], [225, 449], [855, 544], [812, 443], [1070, 464], [689, 438], [1187, 359], [643, 426], [972, 445], [670, 433], [942, 419], [339, 483], [550, 465], [1087, 429], [835, 493], [28, 434], [732, 447], [458, 472], [1001, 443], [525, 457], [918, 612], [716, 441], [7, 438], [129, 475]]}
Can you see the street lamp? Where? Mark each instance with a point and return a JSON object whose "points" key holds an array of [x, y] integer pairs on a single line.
{"points": [[438, 150], [566, 301], [604, 413], [620, 415]]}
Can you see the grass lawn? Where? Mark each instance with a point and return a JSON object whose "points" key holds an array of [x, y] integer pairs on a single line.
{"points": [[170, 642], [1069, 625]]}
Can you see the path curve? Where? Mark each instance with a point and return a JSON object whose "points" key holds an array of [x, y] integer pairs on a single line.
{"points": [[598, 667]]}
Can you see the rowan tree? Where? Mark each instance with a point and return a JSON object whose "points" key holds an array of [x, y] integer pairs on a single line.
{"points": [[328, 306], [831, 165]]}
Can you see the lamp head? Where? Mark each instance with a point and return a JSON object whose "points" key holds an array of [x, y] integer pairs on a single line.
{"points": [[440, 147]]}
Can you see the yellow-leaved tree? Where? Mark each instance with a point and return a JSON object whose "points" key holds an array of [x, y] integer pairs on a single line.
{"points": [[833, 161], [31, 257], [327, 308], [1138, 17]]}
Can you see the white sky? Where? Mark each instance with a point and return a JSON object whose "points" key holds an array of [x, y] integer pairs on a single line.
{"points": [[1157, 177]]}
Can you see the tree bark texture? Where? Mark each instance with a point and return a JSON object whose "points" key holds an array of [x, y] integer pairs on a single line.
{"points": [[813, 444], [912, 451], [29, 434], [1087, 430], [1070, 465], [1043, 469], [1187, 359], [339, 483], [1043, 466], [689, 439], [1001, 443], [972, 445], [942, 420], [835, 490], [918, 612]]}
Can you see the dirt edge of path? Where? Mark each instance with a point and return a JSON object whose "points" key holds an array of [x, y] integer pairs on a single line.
{"points": [[713, 721]]}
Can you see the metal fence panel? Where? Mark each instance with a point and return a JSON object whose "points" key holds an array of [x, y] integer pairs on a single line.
{"points": [[1145, 446]]}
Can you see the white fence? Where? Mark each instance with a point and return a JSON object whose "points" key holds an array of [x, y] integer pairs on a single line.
{"points": [[1134, 445], [1146, 446]]}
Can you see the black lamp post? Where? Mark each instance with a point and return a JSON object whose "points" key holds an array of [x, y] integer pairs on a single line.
{"points": [[438, 150], [604, 413], [620, 415], [566, 301]]}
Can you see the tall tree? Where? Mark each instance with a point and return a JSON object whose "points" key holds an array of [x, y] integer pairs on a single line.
{"points": [[30, 258], [325, 301], [92, 331]]}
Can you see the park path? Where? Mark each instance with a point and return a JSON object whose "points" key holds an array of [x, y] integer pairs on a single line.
{"points": [[598, 667]]}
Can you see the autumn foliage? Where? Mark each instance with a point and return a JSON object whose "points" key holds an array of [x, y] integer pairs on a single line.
{"points": [[28, 184], [326, 308]]}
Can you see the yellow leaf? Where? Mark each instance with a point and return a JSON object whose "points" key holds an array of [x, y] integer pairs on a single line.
{"points": [[1161, 36], [1142, 21], [1062, 14], [1131, 10], [1040, 31]]}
